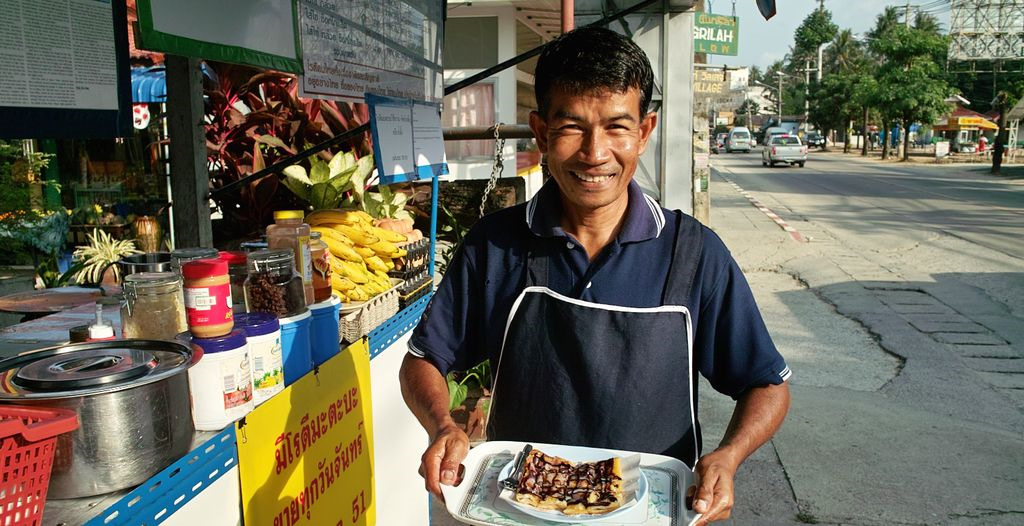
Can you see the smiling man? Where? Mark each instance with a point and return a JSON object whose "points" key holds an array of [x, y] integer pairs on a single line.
{"points": [[596, 306]]}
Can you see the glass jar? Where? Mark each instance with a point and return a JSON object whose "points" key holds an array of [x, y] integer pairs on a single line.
{"points": [[184, 255], [238, 270], [153, 307], [208, 298], [273, 285], [288, 231], [321, 268]]}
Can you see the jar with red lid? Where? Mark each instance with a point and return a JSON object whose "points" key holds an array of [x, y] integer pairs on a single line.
{"points": [[208, 298], [238, 270]]}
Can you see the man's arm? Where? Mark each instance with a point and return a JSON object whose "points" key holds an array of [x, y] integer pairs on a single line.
{"points": [[426, 393], [759, 413]]}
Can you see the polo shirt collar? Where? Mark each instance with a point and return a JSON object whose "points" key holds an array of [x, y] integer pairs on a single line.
{"points": [[644, 216]]}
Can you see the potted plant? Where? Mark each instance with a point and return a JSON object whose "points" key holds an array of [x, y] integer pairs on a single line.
{"points": [[99, 257], [469, 400]]}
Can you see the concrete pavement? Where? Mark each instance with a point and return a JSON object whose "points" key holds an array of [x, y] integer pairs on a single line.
{"points": [[906, 407]]}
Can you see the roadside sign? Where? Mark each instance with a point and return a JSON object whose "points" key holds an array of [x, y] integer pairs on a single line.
{"points": [[941, 149], [716, 34]]}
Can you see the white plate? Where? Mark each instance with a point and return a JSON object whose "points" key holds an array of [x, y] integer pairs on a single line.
{"points": [[477, 501], [574, 454]]}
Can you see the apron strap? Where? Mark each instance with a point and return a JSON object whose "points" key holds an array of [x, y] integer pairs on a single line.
{"points": [[688, 246]]}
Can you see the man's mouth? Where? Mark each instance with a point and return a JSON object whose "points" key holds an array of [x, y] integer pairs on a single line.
{"points": [[591, 178]]}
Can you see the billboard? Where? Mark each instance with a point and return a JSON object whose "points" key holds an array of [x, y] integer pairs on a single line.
{"points": [[716, 34]]}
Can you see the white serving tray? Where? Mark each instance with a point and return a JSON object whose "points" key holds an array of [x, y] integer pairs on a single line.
{"points": [[476, 500]]}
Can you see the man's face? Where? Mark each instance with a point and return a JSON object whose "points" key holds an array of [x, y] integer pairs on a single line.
{"points": [[593, 142]]}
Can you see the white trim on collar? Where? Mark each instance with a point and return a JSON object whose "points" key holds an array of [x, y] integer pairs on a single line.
{"points": [[656, 212]]}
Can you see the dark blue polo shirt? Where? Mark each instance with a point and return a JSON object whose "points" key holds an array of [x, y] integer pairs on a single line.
{"points": [[465, 321]]}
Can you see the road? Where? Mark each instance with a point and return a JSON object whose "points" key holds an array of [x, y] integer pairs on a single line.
{"points": [[898, 301], [859, 195]]}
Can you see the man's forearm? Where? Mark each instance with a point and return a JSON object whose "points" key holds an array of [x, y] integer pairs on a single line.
{"points": [[426, 393], [758, 414]]}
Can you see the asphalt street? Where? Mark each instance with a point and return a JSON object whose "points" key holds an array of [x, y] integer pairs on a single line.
{"points": [[902, 317]]}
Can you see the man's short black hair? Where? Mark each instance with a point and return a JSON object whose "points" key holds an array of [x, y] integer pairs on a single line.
{"points": [[592, 59]]}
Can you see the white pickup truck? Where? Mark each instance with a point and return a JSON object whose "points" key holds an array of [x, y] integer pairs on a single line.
{"points": [[783, 149]]}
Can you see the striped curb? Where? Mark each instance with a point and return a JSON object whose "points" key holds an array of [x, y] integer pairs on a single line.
{"points": [[767, 211]]}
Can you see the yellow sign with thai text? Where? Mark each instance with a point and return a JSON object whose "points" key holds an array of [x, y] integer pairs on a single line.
{"points": [[306, 455]]}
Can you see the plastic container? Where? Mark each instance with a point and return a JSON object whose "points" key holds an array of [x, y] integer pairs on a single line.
{"points": [[154, 307], [238, 270], [221, 382], [288, 231], [208, 298], [253, 245], [324, 340], [272, 285], [28, 440], [296, 346], [322, 289], [263, 332], [184, 255]]}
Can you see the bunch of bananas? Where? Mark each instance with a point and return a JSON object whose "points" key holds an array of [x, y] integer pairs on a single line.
{"points": [[363, 253]]}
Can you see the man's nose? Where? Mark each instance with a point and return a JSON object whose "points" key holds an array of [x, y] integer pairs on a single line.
{"points": [[596, 147]]}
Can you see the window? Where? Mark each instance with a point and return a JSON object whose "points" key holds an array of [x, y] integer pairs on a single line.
{"points": [[785, 141], [470, 106]]}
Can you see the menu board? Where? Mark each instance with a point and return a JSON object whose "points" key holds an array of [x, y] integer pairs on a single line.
{"points": [[408, 142], [390, 47], [63, 69], [306, 455]]}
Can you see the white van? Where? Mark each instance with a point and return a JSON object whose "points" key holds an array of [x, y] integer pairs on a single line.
{"points": [[738, 141]]}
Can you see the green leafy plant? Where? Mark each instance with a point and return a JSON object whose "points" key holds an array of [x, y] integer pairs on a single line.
{"points": [[452, 231], [102, 252], [460, 382], [325, 184]]}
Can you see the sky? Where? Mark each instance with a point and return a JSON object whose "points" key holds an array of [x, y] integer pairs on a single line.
{"points": [[765, 41]]}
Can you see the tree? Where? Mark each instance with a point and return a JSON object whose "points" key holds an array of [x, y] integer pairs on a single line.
{"points": [[756, 75], [885, 22], [837, 101], [910, 83], [816, 29], [844, 53], [927, 22]]}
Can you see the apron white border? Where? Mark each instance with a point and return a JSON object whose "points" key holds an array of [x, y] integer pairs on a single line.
{"points": [[536, 289]]}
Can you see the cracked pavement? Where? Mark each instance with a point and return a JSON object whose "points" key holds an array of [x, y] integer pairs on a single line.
{"points": [[905, 333]]}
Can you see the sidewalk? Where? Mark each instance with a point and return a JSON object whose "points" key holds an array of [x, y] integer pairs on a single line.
{"points": [[888, 425]]}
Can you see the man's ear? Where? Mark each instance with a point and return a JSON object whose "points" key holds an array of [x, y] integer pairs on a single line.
{"points": [[647, 125], [540, 131]]}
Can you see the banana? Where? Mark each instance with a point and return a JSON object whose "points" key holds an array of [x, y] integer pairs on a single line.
{"points": [[342, 250], [355, 271], [382, 248], [365, 252], [390, 263], [358, 294], [387, 235], [358, 235], [328, 231], [347, 217], [341, 283], [376, 263], [383, 277]]}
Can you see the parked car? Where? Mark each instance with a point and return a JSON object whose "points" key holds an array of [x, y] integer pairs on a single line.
{"points": [[784, 149], [815, 139], [738, 140], [720, 142]]}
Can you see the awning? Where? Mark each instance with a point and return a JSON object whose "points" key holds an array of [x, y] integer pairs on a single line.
{"points": [[965, 123]]}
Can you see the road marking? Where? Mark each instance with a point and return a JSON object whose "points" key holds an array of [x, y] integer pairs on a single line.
{"points": [[793, 233]]}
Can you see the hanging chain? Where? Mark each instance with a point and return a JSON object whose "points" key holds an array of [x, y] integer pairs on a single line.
{"points": [[496, 169]]}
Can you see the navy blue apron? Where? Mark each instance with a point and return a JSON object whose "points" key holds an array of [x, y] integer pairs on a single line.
{"points": [[581, 373]]}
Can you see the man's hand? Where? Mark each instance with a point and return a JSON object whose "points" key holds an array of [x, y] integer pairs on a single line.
{"points": [[442, 461], [712, 495]]}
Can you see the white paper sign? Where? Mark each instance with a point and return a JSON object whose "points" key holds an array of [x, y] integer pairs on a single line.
{"points": [[407, 139]]}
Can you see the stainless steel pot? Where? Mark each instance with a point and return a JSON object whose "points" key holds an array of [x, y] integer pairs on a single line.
{"points": [[132, 400], [148, 262]]}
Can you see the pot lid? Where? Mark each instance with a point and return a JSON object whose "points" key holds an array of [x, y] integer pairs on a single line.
{"points": [[91, 368]]}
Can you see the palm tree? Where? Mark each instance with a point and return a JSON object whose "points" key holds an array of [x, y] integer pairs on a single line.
{"points": [[844, 53], [884, 22], [928, 23]]}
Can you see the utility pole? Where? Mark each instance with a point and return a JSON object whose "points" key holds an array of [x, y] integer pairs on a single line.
{"points": [[807, 95], [779, 74], [906, 15]]}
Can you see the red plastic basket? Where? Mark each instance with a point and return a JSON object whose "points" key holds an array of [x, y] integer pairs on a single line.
{"points": [[28, 437]]}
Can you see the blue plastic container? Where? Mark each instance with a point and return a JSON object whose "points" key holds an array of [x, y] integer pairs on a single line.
{"points": [[325, 339], [296, 347]]}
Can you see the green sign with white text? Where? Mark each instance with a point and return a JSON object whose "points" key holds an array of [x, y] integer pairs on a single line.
{"points": [[716, 34]]}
